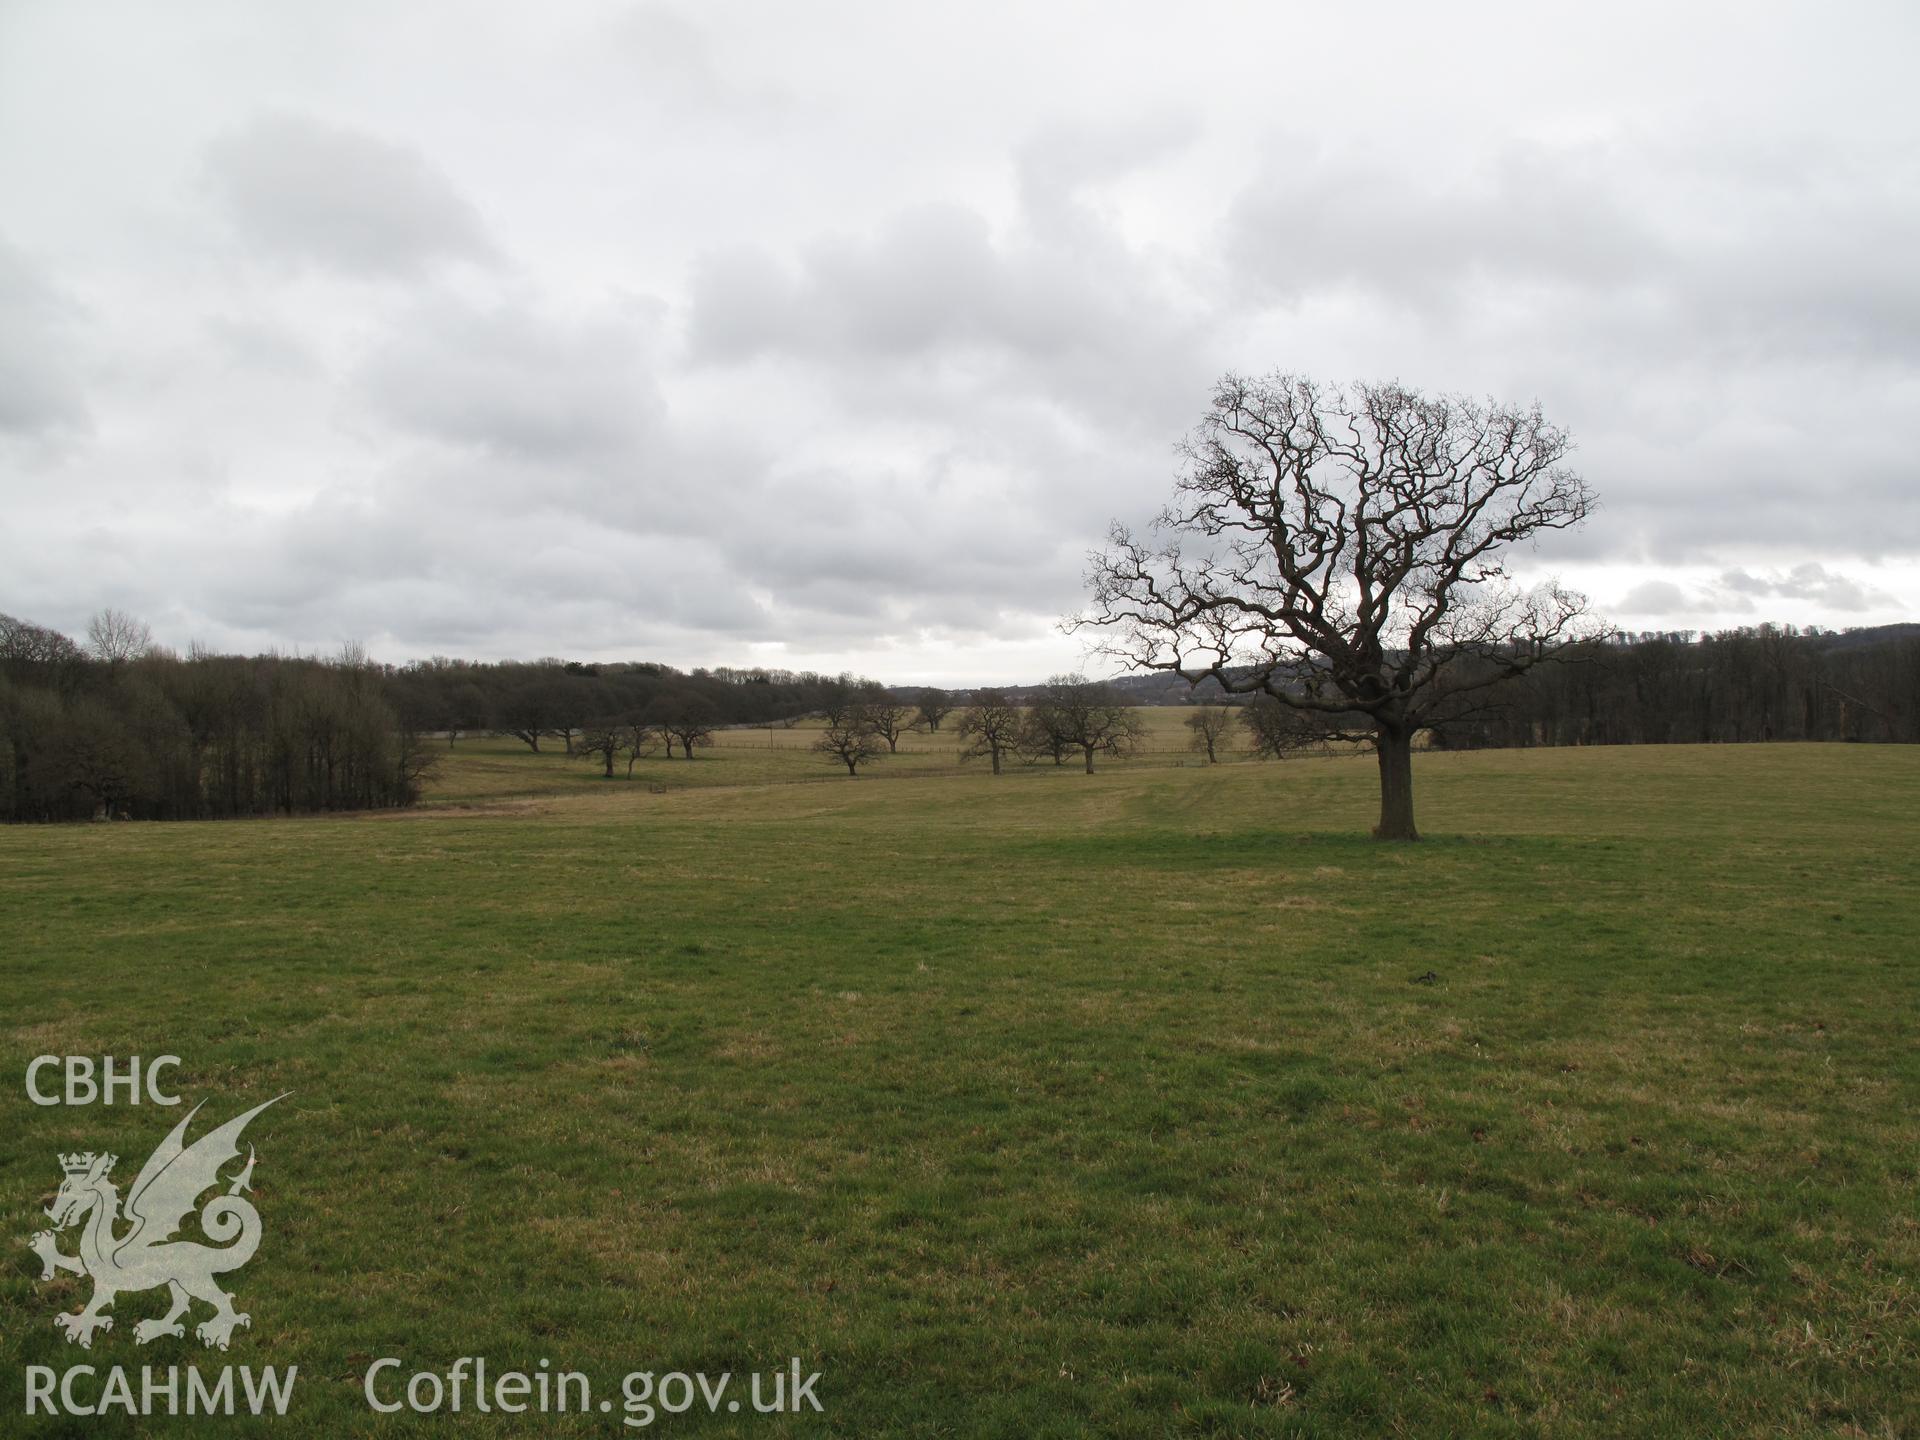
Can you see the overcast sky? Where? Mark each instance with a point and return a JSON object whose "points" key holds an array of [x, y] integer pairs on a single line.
{"points": [[833, 335]]}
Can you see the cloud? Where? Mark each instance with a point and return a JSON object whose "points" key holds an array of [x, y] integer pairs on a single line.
{"points": [[931, 279], [1324, 218], [515, 381], [673, 61], [312, 193], [40, 388], [1739, 591], [1809, 580], [1654, 598]]}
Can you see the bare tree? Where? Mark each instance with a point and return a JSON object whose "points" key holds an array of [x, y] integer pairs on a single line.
{"points": [[1043, 732], [934, 705], [604, 741], [851, 739], [526, 712], [691, 724], [641, 736], [887, 717], [990, 726], [1207, 729], [1345, 560], [1275, 731], [1087, 715], [116, 637]]}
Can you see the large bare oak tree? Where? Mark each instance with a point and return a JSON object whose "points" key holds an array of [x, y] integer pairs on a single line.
{"points": [[1339, 549]]}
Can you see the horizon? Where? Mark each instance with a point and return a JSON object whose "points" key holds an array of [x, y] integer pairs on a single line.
{"points": [[962, 687]]}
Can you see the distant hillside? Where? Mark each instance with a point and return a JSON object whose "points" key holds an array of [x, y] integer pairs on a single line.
{"points": [[1834, 642]]}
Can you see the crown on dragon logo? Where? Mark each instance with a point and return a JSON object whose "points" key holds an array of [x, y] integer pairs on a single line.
{"points": [[82, 1163]]}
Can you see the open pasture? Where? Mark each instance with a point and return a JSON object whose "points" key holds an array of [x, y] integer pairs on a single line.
{"points": [[1160, 1102]]}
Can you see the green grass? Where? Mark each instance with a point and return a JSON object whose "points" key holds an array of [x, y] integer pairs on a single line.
{"points": [[1045, 1106]]}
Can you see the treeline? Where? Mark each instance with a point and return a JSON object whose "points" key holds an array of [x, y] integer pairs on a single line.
{"points": [[118, 727], [122, 729], [558, 701], [1764, 683]]}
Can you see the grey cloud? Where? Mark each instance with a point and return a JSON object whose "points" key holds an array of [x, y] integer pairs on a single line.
{"points": [[933, 315], [932, 277], [1725, 248], [509, 379], [1327, 219], [40, 387], [310, 192], [1809, 580], [1705, 314]]}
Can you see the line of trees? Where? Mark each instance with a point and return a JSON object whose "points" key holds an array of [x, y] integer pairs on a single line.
{"points": [[120, 728], [1767, 682], [1764, 683], [556, 703]]}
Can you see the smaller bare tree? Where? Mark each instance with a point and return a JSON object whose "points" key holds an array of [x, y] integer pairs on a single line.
{"points": [[641, 737], [990, 726], [851, 740], [1275, 731], [1207, 729], [1089, 716], [887, 717], [692, 726], [934, 705], [604, 741], [1043, 734]]}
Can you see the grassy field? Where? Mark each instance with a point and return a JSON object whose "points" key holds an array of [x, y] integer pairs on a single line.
{"points": [[1041, 1106]]}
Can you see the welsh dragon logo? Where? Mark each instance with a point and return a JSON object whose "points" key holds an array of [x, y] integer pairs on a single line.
{"points": [[146, 1255]]}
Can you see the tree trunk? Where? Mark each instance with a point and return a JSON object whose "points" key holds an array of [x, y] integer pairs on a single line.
{"points": [[1394, 743], [1089, 750], [851, 771], [996, 759], [609, 764]]}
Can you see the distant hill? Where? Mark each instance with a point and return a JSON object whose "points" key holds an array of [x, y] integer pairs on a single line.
{"points": [[1866, 635]]}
